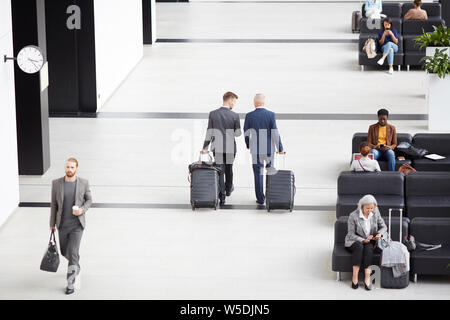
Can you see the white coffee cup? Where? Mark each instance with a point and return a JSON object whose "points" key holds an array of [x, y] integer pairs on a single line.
{"points": [[75, 208]]}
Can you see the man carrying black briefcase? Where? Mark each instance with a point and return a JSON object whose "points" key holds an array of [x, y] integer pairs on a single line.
{"points": [[71, 199]]}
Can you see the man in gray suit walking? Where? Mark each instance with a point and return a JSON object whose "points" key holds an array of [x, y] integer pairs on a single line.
{"points": [[223, 126], [71, 199]]}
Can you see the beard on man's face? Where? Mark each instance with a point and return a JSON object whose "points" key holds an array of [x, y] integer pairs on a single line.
{"points": [[70, 174]]}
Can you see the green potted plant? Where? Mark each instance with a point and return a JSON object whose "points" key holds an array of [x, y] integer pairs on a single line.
{"points": [[438, 96], [439, 38]]}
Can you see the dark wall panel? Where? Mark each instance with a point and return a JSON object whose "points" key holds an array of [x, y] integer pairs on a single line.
{"points": [[71, 55], [62, 59], [87, 77], [147, 21], [31, 103]]}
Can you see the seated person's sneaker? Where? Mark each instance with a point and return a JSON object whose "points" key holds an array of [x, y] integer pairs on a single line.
{"points": [[391, 71], [381, 61]]}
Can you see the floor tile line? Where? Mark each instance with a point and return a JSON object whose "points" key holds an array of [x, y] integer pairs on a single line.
{"points": [[175, 206], [165, 187], [190, 40], [282, 1], [204, 115]]}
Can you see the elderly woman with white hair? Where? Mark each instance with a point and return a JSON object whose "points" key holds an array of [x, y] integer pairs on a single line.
{"points": [[365, 227]]}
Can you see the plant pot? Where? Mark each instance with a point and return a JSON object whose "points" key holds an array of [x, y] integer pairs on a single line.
{"points": [[429, 52], [438, 98]]}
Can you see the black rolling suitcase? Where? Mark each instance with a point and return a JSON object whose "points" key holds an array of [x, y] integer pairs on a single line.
{"points": [[356, 21], [280, 190], [204, 179], [387, 277]]}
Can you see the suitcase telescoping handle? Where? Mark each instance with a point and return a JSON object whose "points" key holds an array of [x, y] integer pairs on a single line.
{"points": [[210, 157], [401, 223], [282, 156]]}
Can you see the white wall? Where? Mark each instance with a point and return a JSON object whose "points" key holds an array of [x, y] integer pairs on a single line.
{"points": [[118, 43], [9, 177]]}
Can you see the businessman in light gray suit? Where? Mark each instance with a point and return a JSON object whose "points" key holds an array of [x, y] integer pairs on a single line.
{"points": [[71, 199], [223, 126]]}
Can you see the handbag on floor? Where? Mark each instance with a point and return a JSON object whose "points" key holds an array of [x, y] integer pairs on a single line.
{"points": [[406, 169], [50, 261]]}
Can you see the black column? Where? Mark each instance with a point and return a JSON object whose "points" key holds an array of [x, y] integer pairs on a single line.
{"points": [[445, 4], [147, 21], [28, 18], [71, 58]]}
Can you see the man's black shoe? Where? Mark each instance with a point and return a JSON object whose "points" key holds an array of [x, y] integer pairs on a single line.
{"points": [[222, 202], [69, 291], [261, 204], [229, 192]]}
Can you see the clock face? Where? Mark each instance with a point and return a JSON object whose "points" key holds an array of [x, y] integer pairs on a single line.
{"points": [[30, 59]]}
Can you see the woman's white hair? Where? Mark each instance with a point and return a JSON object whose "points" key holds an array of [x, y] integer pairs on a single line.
{"points": [[368, 199]]}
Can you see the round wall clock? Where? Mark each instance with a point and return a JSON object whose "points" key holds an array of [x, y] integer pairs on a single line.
{"points": [[30, 59]]}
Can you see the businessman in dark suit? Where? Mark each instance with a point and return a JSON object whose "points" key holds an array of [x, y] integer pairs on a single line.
{"points": [[223, 126], [262, 138]]}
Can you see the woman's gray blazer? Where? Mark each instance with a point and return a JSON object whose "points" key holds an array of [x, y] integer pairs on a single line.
{"points": [[356, 231]]}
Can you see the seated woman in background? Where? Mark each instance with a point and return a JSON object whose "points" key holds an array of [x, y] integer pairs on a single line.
{"points": [[365, 163], [365, 227], [373, 9], [416, 13], [388, 40]]}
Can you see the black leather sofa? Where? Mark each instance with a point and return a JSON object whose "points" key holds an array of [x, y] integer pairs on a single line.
{"points": [[414, 28], [387, 187], [431, 231], [408, 53], [438, 143], [362, 136], [428, 194], [341, 258], [365, 61], [371, 28]]}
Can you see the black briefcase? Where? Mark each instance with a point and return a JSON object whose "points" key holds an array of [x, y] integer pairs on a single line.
{"points": [[50, 261]]}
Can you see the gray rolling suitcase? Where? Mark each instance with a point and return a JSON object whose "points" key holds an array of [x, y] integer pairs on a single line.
{"points": [[356, 21], [387, 277], [204, 179], [280, 190]]}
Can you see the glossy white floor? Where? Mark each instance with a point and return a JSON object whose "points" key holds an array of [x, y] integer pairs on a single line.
{"points": [[228, 254]]}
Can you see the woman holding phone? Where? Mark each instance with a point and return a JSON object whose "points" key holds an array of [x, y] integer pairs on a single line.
{"points": [[365, 227], [388, 41]]}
